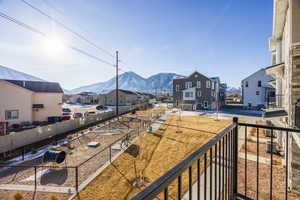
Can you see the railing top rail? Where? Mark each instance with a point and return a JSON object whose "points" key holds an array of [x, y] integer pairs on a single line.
{"points": [[158, 186], [270, 127]]}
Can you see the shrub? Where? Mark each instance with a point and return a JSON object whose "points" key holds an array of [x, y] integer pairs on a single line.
{"points": [[18, 196], [53, 197]]}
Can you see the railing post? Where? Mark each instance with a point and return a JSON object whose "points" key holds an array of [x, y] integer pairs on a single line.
{"points": [[76, 180], [110, 153], [235, 159], [35, 181]]}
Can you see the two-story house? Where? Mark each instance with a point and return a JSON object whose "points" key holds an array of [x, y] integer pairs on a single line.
{"points": [[256, 89], [196, 92], [29, 101]]}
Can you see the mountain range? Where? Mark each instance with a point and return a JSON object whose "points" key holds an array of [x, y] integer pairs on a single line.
{"points": [[131, 81], [11, 74]]}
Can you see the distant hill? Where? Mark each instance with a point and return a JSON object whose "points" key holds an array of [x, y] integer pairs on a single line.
{"points": [[232, 90], [132, 81], [11, 74]]}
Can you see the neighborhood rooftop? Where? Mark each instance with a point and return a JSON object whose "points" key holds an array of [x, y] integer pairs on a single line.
{"points": [[38, 86]]}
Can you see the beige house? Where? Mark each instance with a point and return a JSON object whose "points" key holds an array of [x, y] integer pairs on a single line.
{"points": [[126, 97], [83, 97], [29, 101], [285, 48]]}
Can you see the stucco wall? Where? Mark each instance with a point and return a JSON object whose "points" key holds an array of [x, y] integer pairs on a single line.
{"points": [[15, 98], [52, 105]]}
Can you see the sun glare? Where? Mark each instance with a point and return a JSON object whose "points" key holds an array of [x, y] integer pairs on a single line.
{"points": [[53, 46]]}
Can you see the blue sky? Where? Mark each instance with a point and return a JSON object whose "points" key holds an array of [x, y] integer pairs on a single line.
{"points": [[226, 38]]}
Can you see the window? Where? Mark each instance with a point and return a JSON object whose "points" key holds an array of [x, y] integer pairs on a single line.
{"points": [[212, 93], [188, 94], [188, 84], [198, 84], [199, 93], [177, 87], [259, 84], [213, 85], [207, 84], [257, 92], [205, 104], [11, 114], [246, 84]]}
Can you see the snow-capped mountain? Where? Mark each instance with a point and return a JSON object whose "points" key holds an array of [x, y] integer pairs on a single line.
{"points": [[134, 82], [11, 74], [232, 90]]}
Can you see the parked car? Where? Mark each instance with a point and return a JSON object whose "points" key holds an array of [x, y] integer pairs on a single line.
{"points": [[77, 115], [66, 116], [66, 110], [90, 113], [101, 107]]}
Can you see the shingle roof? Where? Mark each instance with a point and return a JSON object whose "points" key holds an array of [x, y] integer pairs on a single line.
{"points": [[38, 86]]}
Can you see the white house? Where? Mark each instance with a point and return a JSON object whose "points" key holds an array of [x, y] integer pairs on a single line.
{"points": [[256, 89]]}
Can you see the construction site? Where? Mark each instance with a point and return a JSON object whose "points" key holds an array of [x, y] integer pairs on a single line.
{"points": [[171, 139], [61, 168]]}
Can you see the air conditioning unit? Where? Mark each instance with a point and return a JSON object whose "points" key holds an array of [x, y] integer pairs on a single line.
{"points": [[274, 149]]}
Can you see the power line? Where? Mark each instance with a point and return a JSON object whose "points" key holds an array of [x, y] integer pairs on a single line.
{"points": [[67, 28], [32, 29], [75, 33]]}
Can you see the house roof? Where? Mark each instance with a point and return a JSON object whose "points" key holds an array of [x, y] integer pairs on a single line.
{"points": [[127, 91], [262, 69], [276, 65], [38, 86]]}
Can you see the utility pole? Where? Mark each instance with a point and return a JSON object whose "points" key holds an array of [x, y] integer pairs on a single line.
{"points": [[117, 84]]}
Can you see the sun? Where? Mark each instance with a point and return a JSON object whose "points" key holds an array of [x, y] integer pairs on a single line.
{"points": [[53, 46]]}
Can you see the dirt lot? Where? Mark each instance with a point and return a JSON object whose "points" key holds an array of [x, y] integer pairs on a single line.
{"points": [[264, 169], [151, 156], [155, 110], [78, 152]]}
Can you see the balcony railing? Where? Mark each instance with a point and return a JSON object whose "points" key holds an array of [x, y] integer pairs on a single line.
{"points": [[222, 168], [275, 101]]}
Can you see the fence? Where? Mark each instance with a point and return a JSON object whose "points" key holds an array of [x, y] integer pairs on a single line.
{"points": [[225, 168], [16, 140], [66, 178]]}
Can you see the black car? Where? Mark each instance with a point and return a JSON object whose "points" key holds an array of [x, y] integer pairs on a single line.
{"points": [[101, 107]]}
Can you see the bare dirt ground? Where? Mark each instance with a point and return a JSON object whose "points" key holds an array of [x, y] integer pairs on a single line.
{"points": [[77, 152], [264, 181], [9, 195], [278, 185], [151, 156]]}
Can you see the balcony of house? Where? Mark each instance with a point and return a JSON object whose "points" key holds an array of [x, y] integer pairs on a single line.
{"points": [[244, 161], [274, 106]]}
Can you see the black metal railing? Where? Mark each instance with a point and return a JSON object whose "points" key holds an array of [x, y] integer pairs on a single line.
{"points": [[226, 167], [214, 164]]}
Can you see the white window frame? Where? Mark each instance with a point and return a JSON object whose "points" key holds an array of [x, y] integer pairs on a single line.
{"points": [[207, 84], [11, 117], [177, 86], [205, 104], [212, 93], [188, 84], [199, 93], [198, 85], [213, 85]]}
